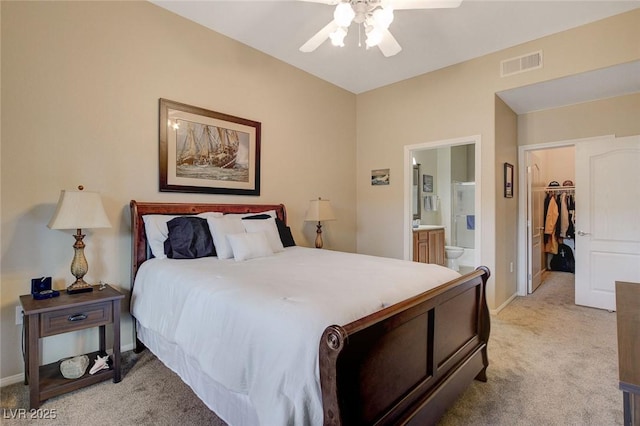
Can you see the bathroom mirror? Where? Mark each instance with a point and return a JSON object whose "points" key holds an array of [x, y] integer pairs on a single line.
{"points": [[416, 191]]}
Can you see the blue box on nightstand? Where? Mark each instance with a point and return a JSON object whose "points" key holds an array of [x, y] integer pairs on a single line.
{"points": [[41, 288]]}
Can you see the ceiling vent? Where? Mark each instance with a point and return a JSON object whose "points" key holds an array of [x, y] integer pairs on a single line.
{"points": [[528, 62]]}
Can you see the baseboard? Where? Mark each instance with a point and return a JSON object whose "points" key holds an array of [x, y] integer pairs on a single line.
{"points": [[17, 378], [6, 381], [504, 305]]}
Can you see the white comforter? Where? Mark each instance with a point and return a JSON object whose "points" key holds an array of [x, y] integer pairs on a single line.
{"points": [[255, 326]]}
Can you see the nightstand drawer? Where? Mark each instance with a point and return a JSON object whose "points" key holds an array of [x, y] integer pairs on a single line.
{"points": [[77, 318]]}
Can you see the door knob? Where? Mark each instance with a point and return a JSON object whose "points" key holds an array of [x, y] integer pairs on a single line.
{"points": [[582, 233]]}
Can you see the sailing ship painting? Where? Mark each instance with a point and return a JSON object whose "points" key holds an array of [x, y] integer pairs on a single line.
{"points": [[207, 152], [210, 152]]}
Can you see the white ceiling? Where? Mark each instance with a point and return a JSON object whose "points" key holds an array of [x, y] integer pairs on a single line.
{"points": [[431, 38], [599, 84]]}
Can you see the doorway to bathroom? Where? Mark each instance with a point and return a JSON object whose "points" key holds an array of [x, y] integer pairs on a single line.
{"points": [[442, 188]]}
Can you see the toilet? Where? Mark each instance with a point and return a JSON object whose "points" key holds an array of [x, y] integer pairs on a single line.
{"points": [[452, 254]]}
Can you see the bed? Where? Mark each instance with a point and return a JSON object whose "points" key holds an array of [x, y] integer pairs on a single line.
{"points": [[261, 348]]}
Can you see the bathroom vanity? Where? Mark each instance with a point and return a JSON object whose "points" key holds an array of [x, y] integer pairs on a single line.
{"points": [[428, 244]]}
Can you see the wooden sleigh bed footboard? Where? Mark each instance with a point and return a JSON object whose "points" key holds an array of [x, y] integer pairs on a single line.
{"points": [[409, 362]]}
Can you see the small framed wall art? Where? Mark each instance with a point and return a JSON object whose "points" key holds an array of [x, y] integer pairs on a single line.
{"points": [[380, 177], [508, 180], [427, 183]]}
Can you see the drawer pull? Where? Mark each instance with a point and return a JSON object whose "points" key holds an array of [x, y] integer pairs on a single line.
{"points": [[77, 317]]}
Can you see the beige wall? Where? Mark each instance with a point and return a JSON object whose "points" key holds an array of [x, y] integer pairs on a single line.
{"points": [[456, 102], [618, 116], [506, 236], [80, 89], [558, 164], [428, 160]]}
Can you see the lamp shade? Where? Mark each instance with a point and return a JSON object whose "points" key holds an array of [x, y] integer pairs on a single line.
{"points": [[319, 211], [79, 209]]}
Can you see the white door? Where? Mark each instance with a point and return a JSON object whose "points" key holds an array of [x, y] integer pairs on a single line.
{"points": [[607, 218], [535, 213]]}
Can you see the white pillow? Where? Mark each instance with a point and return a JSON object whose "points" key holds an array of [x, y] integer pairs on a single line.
{"points": [[220, 227], [269, 227], [155, 226], [249, 245]]}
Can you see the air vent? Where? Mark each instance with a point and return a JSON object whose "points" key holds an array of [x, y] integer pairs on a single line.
{"points": [[520, 64]]}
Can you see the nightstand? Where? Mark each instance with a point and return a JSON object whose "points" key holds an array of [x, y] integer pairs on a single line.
{"points": [[628, 324], [68, 312]]}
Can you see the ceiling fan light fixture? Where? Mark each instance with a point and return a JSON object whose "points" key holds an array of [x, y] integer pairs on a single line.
{"points": [[383, 17], [374, 37], [337, 36], [375, 16], [344, 14]]}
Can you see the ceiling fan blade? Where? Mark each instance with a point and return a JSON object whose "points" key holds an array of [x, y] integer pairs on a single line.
{"points": [[422, 4], [319, 38], [389, 46]]}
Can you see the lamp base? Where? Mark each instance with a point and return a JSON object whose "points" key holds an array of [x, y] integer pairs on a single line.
{"points": [[79, 287], [79, 290], [319, 235]]}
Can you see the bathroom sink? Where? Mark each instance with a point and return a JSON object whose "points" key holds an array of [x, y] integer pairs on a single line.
{"points": [[428, 227]]}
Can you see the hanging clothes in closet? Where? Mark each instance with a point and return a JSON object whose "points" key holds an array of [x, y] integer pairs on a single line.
{"points": [[559, 215]]}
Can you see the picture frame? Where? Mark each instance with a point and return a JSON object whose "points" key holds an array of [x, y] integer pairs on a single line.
{"points": [[427, 183], [203, 151], [508, 180], [380, 177]]}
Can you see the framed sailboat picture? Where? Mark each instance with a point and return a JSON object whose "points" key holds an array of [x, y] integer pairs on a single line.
{"points": [[208, 152]]}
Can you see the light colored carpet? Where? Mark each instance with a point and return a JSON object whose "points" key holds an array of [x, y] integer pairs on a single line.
{"points": [[551, 363], [149, 394]]}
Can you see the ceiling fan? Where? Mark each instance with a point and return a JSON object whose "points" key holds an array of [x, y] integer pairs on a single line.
{"points": [[375, 16]]}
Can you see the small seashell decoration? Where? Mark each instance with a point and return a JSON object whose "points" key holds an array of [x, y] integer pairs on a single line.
{"points": [[101, 363]]}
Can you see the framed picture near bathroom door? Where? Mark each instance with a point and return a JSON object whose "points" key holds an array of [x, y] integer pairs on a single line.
{"points": [[508, 180]]}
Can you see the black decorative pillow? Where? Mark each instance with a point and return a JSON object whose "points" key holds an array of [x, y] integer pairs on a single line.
{"points": [[283, 230], [285, 234], [257, 216], [189, 238]]}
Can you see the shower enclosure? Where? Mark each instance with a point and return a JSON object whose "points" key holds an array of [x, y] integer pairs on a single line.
{"points": [[463, 220]]}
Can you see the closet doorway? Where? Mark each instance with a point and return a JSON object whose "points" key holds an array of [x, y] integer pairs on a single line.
{"points": [[543, 166], [607, 199]]}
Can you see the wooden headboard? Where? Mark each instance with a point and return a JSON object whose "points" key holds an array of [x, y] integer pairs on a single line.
{"points": [[140, 251]]}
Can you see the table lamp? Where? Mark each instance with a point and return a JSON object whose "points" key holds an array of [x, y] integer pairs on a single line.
{"points": [[319, 211], [76, 210]]}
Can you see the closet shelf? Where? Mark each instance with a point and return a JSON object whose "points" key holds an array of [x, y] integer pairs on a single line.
{"points": [[560, 188]]}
